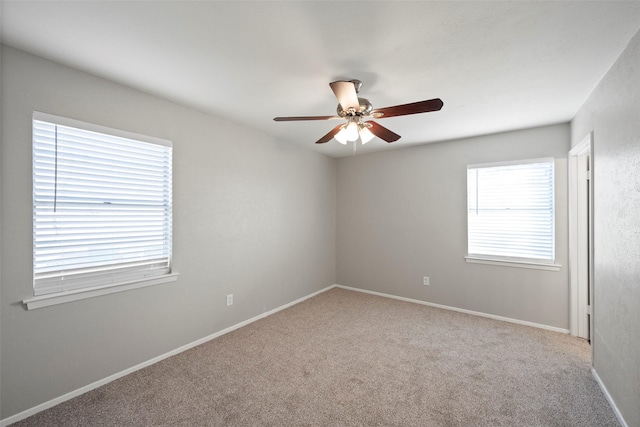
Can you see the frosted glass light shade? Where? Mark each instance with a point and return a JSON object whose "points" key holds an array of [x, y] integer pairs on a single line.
{"points": [[351, 131], [365, 135], [341, 136]]}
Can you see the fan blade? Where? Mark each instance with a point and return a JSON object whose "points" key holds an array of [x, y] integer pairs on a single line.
{"points": [[406, 109], [293, 119], [329, 136], [346, 94], [382, 132]]}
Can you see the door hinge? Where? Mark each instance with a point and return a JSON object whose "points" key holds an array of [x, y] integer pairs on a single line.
{"points": [[589, 310]]}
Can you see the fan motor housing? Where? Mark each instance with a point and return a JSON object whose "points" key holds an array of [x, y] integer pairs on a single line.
{"points": [[364, 110]]}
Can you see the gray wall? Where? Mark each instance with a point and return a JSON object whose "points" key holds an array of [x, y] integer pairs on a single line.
{"points": [[252, 217], [612, 112], [402, 215]]}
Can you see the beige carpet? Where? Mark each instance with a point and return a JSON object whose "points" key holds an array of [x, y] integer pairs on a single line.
{"points": [[346, 358]]}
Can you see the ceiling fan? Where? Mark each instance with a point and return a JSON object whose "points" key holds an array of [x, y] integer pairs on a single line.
{"points": [[355, 109]]}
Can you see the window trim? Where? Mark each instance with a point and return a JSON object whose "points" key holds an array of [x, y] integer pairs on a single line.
{"points": [[125, 284], [64, 121], [80, 294], [507, 261]]}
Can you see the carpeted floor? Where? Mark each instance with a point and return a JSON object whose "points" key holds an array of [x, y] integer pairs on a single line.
{"points": [[345, 358]]}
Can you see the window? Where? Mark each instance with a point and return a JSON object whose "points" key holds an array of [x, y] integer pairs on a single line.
{"points": [[102, 210], [510, 212]]}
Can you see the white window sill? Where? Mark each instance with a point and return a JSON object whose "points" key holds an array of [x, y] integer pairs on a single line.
{"points": [[513, 263], [62, 297]]}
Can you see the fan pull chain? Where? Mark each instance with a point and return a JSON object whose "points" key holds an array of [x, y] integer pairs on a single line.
{"points": [[354, 148]]}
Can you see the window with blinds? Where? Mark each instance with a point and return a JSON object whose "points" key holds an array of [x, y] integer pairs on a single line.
{"points": [[102, 210], [511, 211]]}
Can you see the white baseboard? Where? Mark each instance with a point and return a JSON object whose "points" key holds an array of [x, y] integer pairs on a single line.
{"points": [[461, 310], [613, 405], [56, 401]]}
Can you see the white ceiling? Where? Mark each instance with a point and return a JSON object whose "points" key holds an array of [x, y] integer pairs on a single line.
{"points": [[497, 66]]}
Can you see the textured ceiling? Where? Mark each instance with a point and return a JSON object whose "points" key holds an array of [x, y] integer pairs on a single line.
{"points": [[497, 66]]}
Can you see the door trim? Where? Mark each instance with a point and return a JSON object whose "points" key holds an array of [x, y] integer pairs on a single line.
{"points": [[578, 319]]}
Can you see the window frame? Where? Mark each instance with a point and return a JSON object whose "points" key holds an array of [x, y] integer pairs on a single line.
{"points": [[514, 261], [121, 283]]}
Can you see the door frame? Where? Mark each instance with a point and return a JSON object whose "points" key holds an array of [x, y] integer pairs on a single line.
{"points": [[580, 258]]}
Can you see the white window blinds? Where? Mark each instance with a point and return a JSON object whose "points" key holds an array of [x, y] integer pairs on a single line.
{"points": [[511, 210], [102, 210]]}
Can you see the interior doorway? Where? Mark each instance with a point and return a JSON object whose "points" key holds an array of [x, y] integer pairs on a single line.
{"points": [[581, 238]]}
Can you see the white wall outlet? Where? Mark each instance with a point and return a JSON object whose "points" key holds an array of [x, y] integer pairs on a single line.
{"points": [[229, 300], [425, 280]]}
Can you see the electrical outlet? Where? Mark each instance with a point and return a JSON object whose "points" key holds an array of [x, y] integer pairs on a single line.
{"points": [[425, 280], [229, 300]]}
